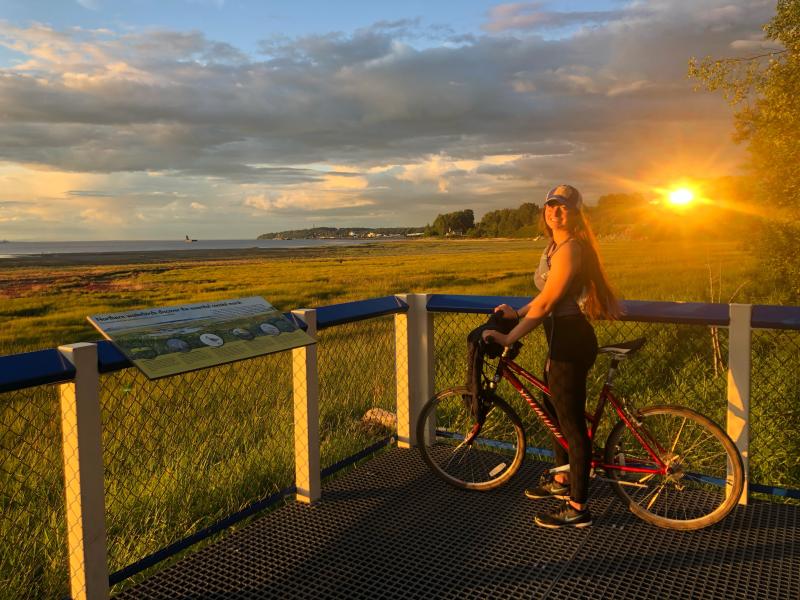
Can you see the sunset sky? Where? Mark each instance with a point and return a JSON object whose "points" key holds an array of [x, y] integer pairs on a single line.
{"points": [[150, 119]]}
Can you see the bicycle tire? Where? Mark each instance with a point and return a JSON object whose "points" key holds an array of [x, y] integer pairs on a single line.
{"points": [[489, 461], [707, 475]]}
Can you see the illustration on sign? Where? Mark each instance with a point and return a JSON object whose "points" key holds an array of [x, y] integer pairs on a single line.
{"points": [[176, 339]]}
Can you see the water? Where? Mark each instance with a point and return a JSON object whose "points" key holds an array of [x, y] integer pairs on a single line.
{"points": [[13, 249]]}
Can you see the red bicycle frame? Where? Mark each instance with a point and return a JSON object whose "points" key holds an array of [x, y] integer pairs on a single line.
{"points": [[509, 370]]}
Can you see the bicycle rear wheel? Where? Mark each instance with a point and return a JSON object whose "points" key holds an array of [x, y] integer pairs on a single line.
{"points": [[704, 478], [482, 463]]}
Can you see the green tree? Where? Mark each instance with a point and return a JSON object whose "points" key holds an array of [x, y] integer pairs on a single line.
{"points": [[507, 221], [617, 214], [765, 90], [458, 223]]}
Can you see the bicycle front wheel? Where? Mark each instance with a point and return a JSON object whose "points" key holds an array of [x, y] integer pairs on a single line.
{"points": [[704, 476], [482, 462]]}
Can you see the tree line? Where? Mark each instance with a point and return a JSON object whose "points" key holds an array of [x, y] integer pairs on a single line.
{"points": [[506, 222], [716, 212]]}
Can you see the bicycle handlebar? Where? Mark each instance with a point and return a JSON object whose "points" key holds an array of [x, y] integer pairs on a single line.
{"points": [[490, 339]]}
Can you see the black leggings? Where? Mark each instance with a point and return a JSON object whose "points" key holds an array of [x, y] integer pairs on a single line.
{"points": [[573, 349]]}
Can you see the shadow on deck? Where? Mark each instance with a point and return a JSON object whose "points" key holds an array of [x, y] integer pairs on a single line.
{"points": [[391, 529]]}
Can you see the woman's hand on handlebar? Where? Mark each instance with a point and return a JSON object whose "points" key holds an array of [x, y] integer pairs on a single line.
{"points": [[506, 311], [496, 336]]}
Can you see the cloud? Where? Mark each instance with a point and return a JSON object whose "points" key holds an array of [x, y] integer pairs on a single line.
{"points": [[90, 4], [368, 123], [89, 193], [756, 42], [102, 218], [216, 3], [335, 190], [260, 202], [528, 16]]}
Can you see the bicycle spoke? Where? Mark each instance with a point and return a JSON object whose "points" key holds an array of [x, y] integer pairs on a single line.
{"points": [[456, 453], [647, 477], [464, 454], [471, 468], [677, 436], [482, 459], [706, 484], [699, 442], [655, 492]]}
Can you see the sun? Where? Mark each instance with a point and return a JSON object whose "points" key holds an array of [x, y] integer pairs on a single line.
{"points": [[681, 197]]}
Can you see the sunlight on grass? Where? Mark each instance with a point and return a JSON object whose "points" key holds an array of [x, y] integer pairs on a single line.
{"points": [[46, 306]]}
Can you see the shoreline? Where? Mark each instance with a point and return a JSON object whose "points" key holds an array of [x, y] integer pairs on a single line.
{"points": [[68, 259], [144, 257]]}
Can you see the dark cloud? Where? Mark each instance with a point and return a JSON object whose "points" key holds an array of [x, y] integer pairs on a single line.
{"points": [[90, 193]]}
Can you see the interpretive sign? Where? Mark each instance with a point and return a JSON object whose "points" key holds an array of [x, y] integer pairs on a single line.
{"points": [[176, 339]]}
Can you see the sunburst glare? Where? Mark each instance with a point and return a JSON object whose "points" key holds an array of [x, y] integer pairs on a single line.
{"points": [[681, 197]]}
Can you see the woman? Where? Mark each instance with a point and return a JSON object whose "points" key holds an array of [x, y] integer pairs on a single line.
{"points": [[569, 272]]}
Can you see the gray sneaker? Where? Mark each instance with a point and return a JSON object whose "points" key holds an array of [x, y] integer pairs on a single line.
{"points": [[548, 489], [566, 516]]}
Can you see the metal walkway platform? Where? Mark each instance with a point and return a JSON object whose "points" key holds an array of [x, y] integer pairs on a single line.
{"points": [[390, 529]]}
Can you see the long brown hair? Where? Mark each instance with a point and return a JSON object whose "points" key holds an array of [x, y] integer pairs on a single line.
{"points": [[599, 300]]}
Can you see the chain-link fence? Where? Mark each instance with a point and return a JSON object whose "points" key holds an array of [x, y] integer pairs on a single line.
{"points": [[33, 551], [182, 452], [680, 364], [357, 382], [775, 408]]}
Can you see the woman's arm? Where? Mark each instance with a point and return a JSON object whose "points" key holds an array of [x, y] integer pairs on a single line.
{"points": [[563, 266]]}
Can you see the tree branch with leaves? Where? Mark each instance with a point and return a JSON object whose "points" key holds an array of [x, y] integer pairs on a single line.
{"points": [[765, 91]]}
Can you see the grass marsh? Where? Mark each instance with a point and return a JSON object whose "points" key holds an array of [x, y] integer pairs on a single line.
{"points": [[46, 305]]}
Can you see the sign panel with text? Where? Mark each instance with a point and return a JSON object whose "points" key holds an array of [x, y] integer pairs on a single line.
{"points": [[176, 339]]}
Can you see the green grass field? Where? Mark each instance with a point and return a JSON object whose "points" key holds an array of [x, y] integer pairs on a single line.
{"points": [[46, 306], [183, 452]]}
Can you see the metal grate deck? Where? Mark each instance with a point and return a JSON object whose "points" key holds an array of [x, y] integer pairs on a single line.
{"points": [[391, 529]]}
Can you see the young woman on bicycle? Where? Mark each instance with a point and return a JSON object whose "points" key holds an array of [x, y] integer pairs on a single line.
{"points": [[569, 272]]}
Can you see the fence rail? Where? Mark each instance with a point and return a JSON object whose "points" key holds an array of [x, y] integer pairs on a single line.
{"points": [[186, 456]]}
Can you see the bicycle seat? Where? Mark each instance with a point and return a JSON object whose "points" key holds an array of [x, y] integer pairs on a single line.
{"points": [[623, 349]]}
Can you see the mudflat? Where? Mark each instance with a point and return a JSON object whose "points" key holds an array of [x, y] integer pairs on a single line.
{"points": [[156, 256]]}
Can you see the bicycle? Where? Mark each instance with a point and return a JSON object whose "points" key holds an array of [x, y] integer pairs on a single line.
{"points": [[670, 465]]}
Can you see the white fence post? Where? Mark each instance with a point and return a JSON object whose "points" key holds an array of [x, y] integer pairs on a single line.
{"points": [[738, 421], [414, 364], [83, 475], [403, 377], [305, 393]]}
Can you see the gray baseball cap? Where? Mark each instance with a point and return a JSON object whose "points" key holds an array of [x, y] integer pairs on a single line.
{"points": [[565, 195]]}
